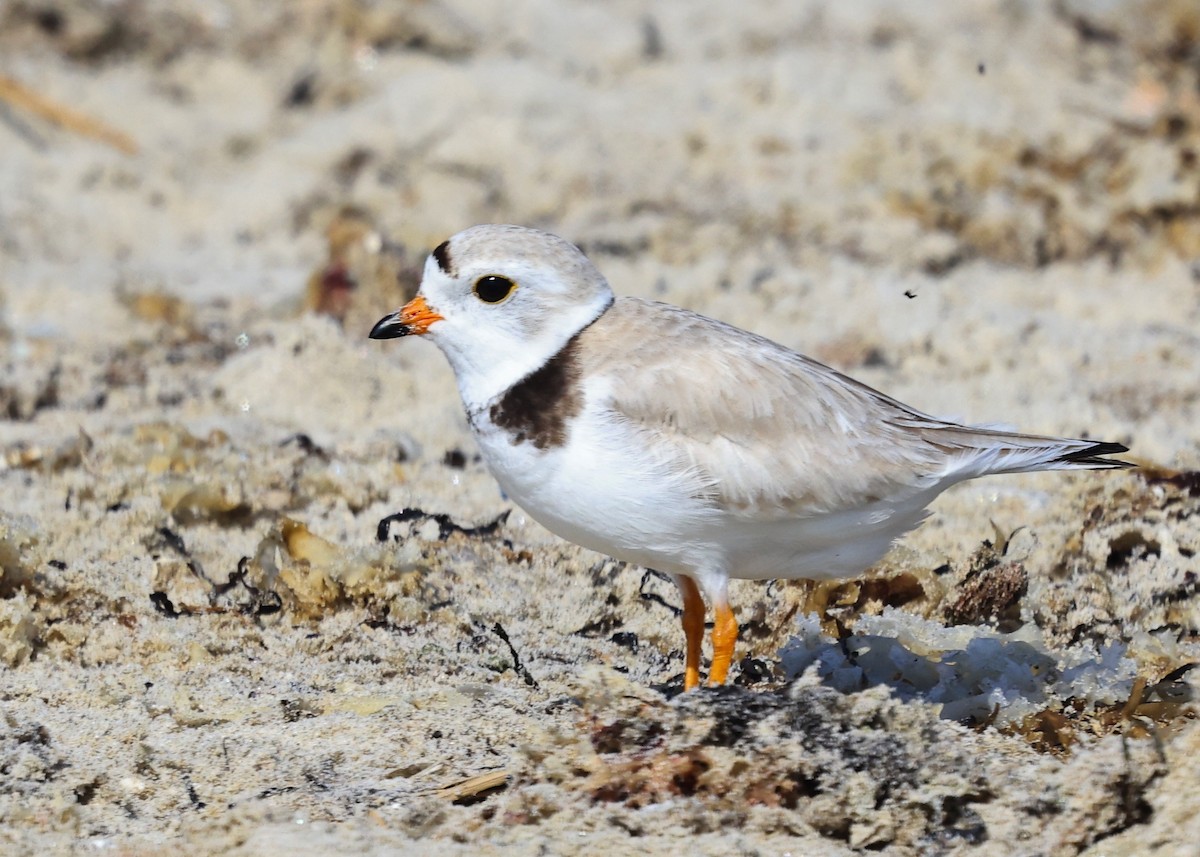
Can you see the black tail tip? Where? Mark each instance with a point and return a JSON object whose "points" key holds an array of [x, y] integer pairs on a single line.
{"points": [[1094, 456]]}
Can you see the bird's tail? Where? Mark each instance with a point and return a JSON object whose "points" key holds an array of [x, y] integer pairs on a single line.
{"points": [[982, 451]]}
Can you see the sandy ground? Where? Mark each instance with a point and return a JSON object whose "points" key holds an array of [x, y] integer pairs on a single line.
{"points": [[990, 210]]}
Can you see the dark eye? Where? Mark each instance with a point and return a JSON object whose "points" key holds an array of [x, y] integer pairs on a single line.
{"points": [[493, 288]]}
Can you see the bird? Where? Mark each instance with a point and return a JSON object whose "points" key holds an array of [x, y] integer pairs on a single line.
{"points": [[677, 442]]}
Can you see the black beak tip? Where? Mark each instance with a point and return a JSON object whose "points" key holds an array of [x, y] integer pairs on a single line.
{"points": [[389, 327]]}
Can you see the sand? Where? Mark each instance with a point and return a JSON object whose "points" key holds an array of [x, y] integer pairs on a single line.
{"points": [[990, 210]]}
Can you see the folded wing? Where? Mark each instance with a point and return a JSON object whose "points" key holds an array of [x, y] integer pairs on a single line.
{"points": [[771, 433]]}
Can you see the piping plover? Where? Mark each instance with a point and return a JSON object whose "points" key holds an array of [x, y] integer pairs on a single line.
{"points": [[676, 442]]}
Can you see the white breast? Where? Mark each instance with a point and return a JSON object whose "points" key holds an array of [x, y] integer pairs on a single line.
{"points": [[603, 490]]}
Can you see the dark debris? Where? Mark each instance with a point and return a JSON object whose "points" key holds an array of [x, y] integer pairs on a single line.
{"points": [[518, 667], [446, 525]]}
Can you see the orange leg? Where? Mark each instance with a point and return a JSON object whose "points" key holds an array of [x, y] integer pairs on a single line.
{"points": [[724, 638], [693, 629]]}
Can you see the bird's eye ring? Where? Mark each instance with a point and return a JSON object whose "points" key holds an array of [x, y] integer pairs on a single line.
{"points": [[493, 289]]}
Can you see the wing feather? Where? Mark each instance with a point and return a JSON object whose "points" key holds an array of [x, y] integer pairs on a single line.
{"points": [[770, 433]]}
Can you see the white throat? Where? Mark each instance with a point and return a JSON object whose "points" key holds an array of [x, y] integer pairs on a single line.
{"points": [[481, 381]]}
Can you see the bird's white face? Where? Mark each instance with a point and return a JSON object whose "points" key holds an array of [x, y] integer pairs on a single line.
{"points": [[500, 301]]}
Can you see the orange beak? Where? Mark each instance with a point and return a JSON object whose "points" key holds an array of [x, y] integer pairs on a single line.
{"points": [[411, 320]]}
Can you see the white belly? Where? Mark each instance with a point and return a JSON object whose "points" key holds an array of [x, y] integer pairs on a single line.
{"points": [[604, 492], [612, 498]]}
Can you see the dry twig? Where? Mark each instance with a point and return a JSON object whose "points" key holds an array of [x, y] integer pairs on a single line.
{"points": [[23, 98]]}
